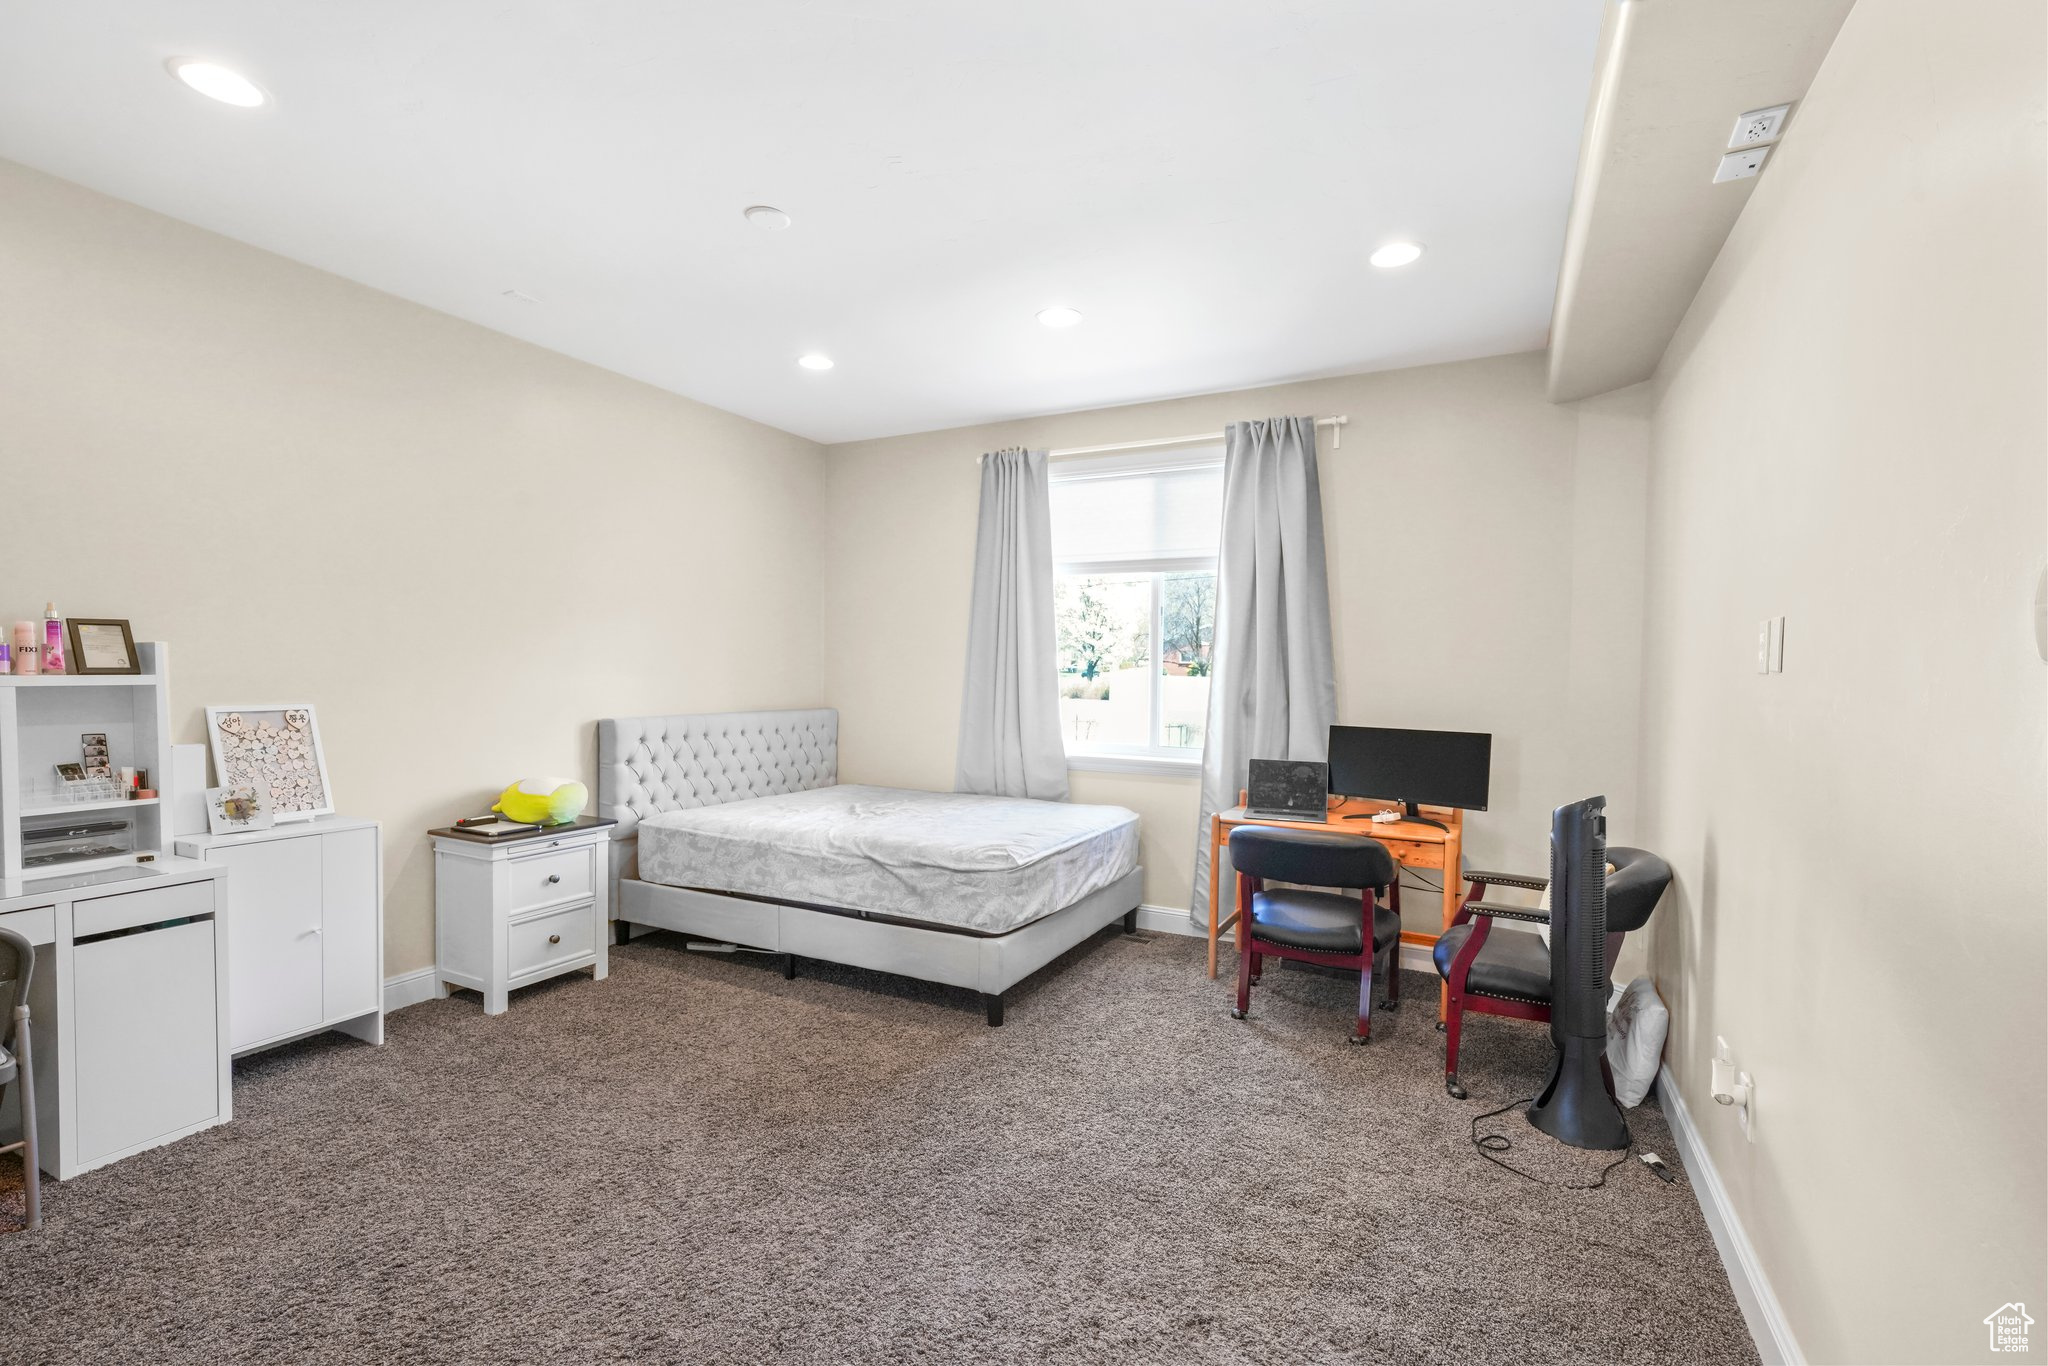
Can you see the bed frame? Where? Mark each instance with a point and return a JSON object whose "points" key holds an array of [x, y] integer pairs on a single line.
{"points": [[649, 764]]}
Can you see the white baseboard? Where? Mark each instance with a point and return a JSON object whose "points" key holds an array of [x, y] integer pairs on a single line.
{"points": [[408, 989], [1760, 1307], [1167, 920]]}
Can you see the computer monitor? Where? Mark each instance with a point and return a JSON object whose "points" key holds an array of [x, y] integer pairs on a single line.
{"points": [[1440, 767]]}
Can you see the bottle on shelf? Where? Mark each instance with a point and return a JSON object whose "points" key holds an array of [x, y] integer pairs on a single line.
{"points": [[25, 647], [53, 640]]}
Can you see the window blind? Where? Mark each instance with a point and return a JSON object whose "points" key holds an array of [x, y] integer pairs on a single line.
{"points": [[1137, 513]]}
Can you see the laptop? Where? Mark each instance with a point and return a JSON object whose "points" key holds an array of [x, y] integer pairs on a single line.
{"points": [[1288, 790]]}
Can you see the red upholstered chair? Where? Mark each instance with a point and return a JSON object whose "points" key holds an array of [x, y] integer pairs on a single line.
{"points": [[1314, 927]]}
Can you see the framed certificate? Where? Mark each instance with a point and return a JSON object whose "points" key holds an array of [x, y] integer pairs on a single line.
{"points": [[102, 647]]}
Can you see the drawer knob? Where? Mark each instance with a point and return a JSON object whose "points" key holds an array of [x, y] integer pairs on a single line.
{"points": [[554, 877], [554, 939]]}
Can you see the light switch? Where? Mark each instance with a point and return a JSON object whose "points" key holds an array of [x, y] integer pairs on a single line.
{"points": [[1777, 645]]}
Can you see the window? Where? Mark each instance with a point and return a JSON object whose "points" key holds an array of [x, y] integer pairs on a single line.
{"points": [[1134, 545]]}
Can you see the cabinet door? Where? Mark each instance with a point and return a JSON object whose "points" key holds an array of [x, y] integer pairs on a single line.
{"points": [[147, 1048], [274, 932], [353, 976]]}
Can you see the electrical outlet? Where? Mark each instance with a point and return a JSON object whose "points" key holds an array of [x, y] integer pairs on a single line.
{"points": [[1746, 1114], [1777, 645], [1741, 165], [1763, 655], [1759, 126], [1722, 1052]]}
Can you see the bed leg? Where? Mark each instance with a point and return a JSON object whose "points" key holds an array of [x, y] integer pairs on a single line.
{"points": [[622, 930], [1131, 921], [789, 967], [994, 1006]]}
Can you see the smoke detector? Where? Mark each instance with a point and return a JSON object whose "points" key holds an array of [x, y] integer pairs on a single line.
{"points": [[1758, 127]]}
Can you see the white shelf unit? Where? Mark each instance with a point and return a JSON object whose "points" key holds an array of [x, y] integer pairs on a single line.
{"points": [[41, 722]]}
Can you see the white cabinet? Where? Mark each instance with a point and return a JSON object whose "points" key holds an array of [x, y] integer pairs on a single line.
{"points": [[129, 1006], [306, 945], [147, 1041], [519, 911]]}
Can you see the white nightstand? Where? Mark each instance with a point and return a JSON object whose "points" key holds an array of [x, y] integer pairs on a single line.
{"points": [[512, 912]]}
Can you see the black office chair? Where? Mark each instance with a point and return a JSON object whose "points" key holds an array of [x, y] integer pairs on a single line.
{"points": [[1508, 973], [17, 1067], [1314, 927]]}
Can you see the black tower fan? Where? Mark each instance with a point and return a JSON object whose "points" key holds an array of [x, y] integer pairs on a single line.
{"points": [[1577, 1105]]}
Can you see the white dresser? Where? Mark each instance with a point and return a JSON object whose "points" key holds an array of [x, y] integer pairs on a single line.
{"points": [[306, 941], [513, 912]]}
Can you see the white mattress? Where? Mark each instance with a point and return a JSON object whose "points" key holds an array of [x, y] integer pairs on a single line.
{"points": [[988, 864]]}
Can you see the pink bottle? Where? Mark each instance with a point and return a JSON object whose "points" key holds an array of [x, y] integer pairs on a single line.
{"points": [[24, 647], [53, 640]]}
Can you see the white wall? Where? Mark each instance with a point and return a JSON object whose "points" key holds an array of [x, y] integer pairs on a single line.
{"points": [[462, 549], [1849, 430], [1485, 574]]}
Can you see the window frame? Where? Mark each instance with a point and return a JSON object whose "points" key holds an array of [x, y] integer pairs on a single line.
{"points": [[1158, 758]]}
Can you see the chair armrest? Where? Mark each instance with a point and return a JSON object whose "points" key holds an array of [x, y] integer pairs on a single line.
{"points": [[1534, 914], [1534, 884]]}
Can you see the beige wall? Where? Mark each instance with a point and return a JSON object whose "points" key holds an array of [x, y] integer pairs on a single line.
{"points": [[1849, 431], [1485, 574], [287, 477]]}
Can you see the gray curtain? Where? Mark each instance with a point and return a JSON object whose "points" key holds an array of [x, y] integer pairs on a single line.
{"points": [[1273, 686], [1009, 709]]}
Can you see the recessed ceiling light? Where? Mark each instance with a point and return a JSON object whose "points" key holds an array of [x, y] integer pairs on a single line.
{"points": [[767, 218], [1396, 254], [217, 82], [1059, 316], [815, 361]]}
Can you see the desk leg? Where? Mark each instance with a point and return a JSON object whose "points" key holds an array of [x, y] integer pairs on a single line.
{"points": [[1454, 892], [1215, 876]]}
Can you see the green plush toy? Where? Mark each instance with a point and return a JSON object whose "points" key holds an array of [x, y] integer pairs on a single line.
{"points": [[542, 801]]}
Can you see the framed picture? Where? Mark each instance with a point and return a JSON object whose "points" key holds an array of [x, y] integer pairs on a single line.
{"points": [[71, 773], [278, 746], [231, 810], [98, 760], [101, 647]]}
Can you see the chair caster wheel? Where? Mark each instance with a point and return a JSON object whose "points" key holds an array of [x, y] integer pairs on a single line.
{"points": [[1236, 1014], [1361, 1038], [1439, 1026], [1390, 1004], [1255, 981], [1457, 1089]]}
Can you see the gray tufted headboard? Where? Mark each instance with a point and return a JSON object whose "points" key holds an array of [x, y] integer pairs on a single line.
{"points": [[647, 764]]}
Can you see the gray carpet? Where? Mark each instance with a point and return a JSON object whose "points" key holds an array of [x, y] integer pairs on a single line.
{"points": [[696, 1161]]}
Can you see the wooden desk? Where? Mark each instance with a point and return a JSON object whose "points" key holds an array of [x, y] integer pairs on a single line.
{"points": [[1412, 845]]}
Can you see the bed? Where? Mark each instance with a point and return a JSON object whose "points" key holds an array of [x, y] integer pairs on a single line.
{"points": [[733, 826]]}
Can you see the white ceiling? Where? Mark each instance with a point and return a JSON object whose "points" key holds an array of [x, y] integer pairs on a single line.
{"points": [[1202, 178]]}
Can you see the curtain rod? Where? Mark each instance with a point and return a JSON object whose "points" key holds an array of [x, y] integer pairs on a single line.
{"points": [[1336, 424]]}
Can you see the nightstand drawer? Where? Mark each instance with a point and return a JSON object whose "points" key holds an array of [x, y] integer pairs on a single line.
{"points": [[545, 940], [545, 879]]}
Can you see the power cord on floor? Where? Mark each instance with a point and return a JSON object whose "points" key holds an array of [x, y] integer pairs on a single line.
{"points": [[1489, 1144]]}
